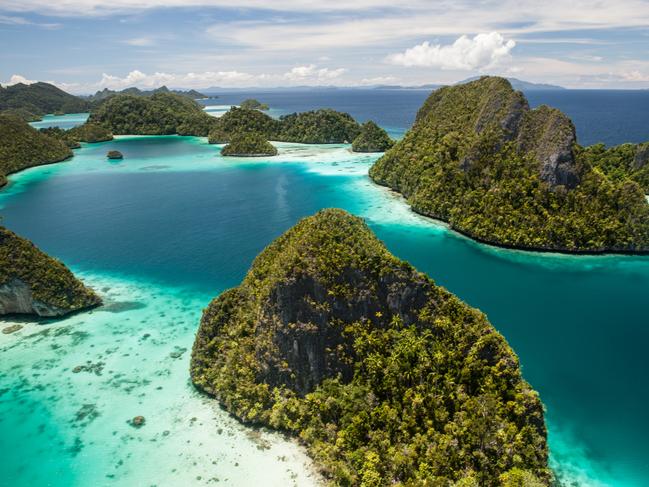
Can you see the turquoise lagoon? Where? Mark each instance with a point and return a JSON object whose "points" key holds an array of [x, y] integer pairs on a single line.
{"points": [[161, 232], [67, 121]]}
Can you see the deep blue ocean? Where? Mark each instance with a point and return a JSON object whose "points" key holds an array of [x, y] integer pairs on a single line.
{"points": [[174, 224], [608, 116]]}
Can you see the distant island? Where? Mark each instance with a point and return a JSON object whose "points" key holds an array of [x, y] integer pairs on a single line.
{"points": [[387, 378], [33, 283], [168, 113], [106, 93], [480, 159], [253, 104], [31, 102]]}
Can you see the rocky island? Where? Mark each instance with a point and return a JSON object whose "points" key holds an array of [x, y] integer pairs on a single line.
{"points": [[480, 159], [114, 155], [249, 144], [372, 138], [386, 377], [253, 104], [22, 147], [31, 102], [31, 282], [163, 113]]}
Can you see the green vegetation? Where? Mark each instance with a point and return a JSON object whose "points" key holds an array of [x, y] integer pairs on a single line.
{"points": [[159, 114], [22, 146], [480, 159], [88, 132], [104, 94], [386, 377], [240, 120], [114, 154], [38, 99], [53, 288], [22, 114], [315, 127], [372, 139], [253, 104], [249, 144], [621, 162], [318, 127]]}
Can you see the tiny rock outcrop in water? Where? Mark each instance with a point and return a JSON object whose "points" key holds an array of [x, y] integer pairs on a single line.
{"points": [[115, 155], [31, 282], [385, 376]]}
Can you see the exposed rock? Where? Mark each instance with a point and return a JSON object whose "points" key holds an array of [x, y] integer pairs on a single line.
{"points": [[115, 154], [12, 329], [550, 137], [333, 338], [641, 156], [33, 283], [138, 421]]}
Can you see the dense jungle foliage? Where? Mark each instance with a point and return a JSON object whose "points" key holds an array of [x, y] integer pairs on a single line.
{"points": [[49, 280], [22, 146], [38, 99], [372, 138], [386, 377], [478, 158], [249, 144]]}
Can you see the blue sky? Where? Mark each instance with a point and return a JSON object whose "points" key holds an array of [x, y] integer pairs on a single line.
{"points": [[85, 45]]}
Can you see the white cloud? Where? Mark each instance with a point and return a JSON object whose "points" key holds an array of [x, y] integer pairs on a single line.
{"points": [[13, 20], [484, 51], [16, 78], [187, 80], [140, 41], [312, 73]]}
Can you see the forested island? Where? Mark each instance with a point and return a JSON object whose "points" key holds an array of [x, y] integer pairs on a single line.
{"points": [[31, 102], [386, 377], [254, 104], [249, 144], [31, 282], [22, 146], [480, 159], [106, 93]]}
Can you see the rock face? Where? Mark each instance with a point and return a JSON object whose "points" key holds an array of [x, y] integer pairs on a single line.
{"points": [[480, 159], [641, 156], [550, 137], [115, 155], [333, 338], [33, 283]]}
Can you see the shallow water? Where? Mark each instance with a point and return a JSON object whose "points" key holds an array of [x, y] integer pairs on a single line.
{"points": [[67, 121], [173, 224]]}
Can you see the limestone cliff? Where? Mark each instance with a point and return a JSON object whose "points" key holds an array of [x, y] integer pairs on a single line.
{"points": [[387, 377], [31, 282]]}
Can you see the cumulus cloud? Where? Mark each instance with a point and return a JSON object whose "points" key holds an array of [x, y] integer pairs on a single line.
{"points": [[16, 78], [483, 51], [190, 80], [140, 41], [311, 72]]}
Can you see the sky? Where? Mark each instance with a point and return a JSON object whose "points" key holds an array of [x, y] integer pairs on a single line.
{"points": [[87, 45]]}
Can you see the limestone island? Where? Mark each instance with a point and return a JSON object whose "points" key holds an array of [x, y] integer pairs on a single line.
{"points": [[480, 159], [114, 155], [387, 378], [22, 147], [33, 283], [253, 104], [249, 144], [372, 138]]}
